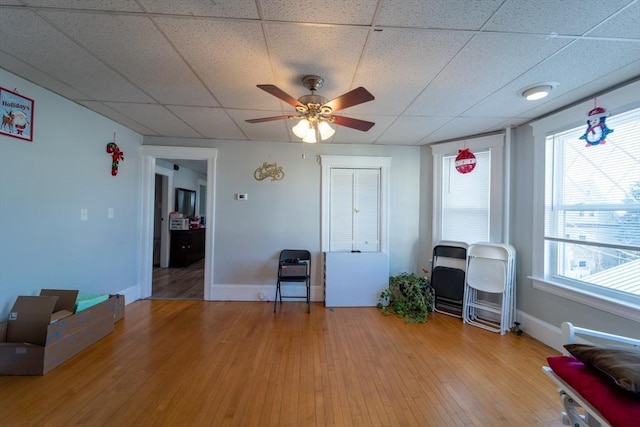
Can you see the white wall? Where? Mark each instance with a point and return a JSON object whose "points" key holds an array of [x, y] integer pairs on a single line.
{"points": [[43, 186], [286, 214]]}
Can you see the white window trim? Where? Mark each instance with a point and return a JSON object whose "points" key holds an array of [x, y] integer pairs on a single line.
{"points": [[494, 143], [356, 162], [621, 99]]}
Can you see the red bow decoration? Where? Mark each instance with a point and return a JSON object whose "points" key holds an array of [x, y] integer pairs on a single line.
{"points": [[116, 156]]}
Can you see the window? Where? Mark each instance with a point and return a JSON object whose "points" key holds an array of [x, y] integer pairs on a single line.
{"points": [[593, 193], [469, 207], [465, 200]]}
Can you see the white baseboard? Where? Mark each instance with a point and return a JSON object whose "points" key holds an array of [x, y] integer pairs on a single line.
{"points": [[131, 294], [260, 292], [540, 330]]}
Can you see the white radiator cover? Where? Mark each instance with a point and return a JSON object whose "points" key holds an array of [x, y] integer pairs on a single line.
{"points": [[355, 279]]}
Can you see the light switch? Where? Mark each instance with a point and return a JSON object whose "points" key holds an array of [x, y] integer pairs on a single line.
{"points": [[110, 213], [84, 214]]}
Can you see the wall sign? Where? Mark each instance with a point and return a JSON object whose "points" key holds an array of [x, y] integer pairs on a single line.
{"points": [[17, 115], [269, 170]]}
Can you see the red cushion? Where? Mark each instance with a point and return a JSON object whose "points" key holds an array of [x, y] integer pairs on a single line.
{"points": [[621, 408]]}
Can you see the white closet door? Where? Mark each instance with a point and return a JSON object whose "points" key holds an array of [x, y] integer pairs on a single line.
{"points": [[341, 210], [366, 223], [355, 210]]}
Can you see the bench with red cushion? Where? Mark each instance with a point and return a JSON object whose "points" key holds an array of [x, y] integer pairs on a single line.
{"points": [[619, 407]]}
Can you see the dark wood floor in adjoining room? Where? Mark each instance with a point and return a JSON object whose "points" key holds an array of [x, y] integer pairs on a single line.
{"points": [[179, 283], [203, 363]]}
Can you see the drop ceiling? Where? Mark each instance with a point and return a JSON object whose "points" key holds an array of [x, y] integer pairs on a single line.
{"points": [[439, 69]]}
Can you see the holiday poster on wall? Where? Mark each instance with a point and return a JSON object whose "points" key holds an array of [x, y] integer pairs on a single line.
{"points": [[17, 115]]}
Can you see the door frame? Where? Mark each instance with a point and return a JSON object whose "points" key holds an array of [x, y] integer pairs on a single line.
{"points": [[167, 203], [149, 154]]}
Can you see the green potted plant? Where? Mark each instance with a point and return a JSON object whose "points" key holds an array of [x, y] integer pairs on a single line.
{"points": [[409, 296]]}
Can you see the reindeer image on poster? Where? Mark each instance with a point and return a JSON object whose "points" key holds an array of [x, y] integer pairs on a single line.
{"points": [[7, 120], [14, 122]]}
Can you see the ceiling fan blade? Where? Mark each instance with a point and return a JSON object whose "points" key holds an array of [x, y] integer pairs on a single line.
{"points": [[268, 119], [279, 93], [349, 122], [349, 99]]}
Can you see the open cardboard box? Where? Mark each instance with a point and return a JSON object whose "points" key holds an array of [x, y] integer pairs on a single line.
{"points": [[42, 332]]}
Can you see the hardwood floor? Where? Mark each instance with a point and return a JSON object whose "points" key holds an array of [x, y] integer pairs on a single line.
{"points": [[202, 363], [179, 283]]}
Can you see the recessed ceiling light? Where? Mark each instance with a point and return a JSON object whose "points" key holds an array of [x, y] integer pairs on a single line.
{"points": [[538, 91]]}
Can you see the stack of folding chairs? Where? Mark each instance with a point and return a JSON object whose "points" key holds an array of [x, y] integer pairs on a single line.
{"points": [[448, 276], [489, 294]]}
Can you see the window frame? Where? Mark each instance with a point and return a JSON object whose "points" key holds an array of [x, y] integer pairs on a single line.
{"points": [[498, 215], [616, 101]]}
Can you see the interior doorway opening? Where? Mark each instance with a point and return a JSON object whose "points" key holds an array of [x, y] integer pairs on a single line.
{"points": [[150, 154]]}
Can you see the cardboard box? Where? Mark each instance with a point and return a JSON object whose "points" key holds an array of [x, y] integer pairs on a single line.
{"points": [[31, 345]]}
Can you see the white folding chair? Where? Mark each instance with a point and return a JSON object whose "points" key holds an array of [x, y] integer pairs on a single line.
{"points": [[489, 294]]}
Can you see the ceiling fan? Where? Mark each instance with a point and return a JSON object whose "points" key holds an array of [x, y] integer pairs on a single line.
{"points": [[315, 112]]}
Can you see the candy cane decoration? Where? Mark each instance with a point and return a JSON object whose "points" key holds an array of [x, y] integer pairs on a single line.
{"points": [[116, 155]]}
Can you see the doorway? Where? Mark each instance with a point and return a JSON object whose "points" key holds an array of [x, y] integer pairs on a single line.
{"points": [[149, 156], [178, 255]]}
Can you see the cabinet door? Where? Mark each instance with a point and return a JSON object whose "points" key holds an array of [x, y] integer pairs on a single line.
{"points": [[355, 210]]}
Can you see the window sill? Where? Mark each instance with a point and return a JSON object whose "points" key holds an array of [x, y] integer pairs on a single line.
{"points": [[620, 308]]}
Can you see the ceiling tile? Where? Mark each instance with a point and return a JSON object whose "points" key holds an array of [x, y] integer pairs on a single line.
{"points": [[278, 130], [464, 126], [409, 130], [482, 68], [624, 24], [209, 122], [111, 5], [332, 52], [458, 14], [189, 68], [394, 63], [47, 49], [157, 118], [245, 9], [28, 72], [550, 16], [345, 135], [229, 57], [354, 12], [135, 48], [117, 116]]}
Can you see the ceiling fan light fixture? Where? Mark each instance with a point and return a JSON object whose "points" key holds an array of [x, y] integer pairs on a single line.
{"points": [[325, 130], [300, 130], [310, 137], [539, 91]]}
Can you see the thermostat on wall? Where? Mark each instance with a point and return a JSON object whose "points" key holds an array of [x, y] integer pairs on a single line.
{"points": [[242, 196]]}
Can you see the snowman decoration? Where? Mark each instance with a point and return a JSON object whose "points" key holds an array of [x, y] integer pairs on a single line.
{"points": [[597, 129]]}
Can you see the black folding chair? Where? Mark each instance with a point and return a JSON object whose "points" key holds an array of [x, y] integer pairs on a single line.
{"points": [[447, 279], [294, 266]]}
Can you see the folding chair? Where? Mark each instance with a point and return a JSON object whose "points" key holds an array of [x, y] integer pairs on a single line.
{"points": [[294, 266], [448, 277], [490, 271]]}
